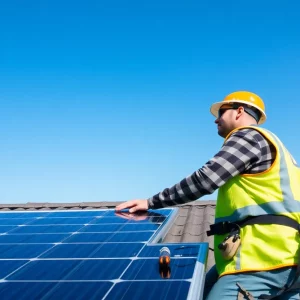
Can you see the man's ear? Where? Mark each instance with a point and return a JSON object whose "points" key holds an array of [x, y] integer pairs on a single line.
{"points": [[240, 112]]}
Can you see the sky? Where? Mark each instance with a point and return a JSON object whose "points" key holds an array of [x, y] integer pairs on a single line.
{"points": [[109, 100]]}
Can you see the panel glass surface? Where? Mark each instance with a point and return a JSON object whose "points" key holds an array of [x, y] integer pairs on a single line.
{"points": [[14, 221], [62, 221], [109, 237], [15, 251], [96, 250], [100, 269], [176, 250], [54, 290], [31, 238], [8, 266], [157, 290], [146, 269], [6, 228], [47, 229], [97, 254]]}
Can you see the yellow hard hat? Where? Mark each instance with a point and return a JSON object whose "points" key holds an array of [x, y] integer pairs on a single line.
{"points": [[242, 97]]}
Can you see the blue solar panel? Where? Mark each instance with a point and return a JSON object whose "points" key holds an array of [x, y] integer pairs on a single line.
{"points": [[32, 238], [100, 269], [54, 290], [95, 254], [158, 290], [146, 269], [103, 250], [46, 229], [8, 266], [16, 251], [6, 228]]}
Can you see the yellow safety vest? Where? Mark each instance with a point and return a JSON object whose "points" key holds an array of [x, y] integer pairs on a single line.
{"points": [[274, 191]]}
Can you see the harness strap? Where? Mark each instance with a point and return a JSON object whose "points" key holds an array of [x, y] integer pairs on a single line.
{"points": [[226, 227]]}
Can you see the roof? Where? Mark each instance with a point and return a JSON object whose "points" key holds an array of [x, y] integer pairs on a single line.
{"points": [[190, 225]]}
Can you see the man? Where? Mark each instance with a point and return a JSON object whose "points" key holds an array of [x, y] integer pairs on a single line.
{"points": [[256, 227]]}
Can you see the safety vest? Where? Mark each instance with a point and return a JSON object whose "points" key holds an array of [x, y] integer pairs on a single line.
{"points": [[275, 191]]}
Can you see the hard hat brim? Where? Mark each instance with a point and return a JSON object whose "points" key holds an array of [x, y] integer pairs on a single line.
{"points": [[214, 109]]}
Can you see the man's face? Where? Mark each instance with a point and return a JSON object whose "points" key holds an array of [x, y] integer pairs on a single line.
{"points": [[225, 120]]}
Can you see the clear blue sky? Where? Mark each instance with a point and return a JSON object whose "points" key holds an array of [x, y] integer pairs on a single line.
{"points": [[109, 100]]}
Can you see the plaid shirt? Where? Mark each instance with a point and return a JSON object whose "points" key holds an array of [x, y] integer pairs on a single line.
{"points": [[245, 152]]}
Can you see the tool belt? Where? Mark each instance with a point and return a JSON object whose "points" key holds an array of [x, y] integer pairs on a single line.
{"points": [[229, 247]]}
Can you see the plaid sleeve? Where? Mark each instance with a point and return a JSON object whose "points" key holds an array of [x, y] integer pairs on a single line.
{"points": [[245, 151]]}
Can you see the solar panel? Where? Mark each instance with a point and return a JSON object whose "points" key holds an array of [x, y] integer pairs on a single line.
{"points": [[97, 254]]}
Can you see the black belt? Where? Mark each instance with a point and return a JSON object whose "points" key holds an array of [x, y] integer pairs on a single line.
{"points": [[226, 227]]}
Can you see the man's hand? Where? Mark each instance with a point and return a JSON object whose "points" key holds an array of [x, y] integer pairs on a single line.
{"points": [[133, 205]]}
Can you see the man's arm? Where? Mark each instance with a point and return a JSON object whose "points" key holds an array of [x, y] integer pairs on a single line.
{"points": [[238, 155]]}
